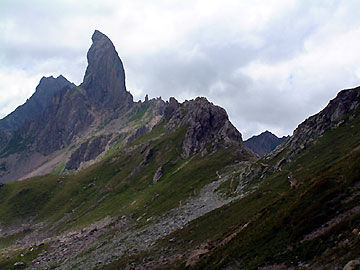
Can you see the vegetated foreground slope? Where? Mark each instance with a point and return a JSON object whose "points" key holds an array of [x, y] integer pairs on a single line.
{"points": [[297, 208], [134, 187], [305, 213], [146, 207]]}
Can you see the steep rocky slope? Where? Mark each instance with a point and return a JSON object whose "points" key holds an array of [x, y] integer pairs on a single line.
{"points": [[264, 143], [341, 109], [123, 200]]}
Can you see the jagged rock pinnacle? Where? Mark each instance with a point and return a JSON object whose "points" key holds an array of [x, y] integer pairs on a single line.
{"points": [[104, 78]]}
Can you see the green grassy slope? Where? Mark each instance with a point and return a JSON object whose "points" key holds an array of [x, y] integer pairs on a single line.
{"points": [[279, 217], [307, 225], [269, 226], [114, 187]]}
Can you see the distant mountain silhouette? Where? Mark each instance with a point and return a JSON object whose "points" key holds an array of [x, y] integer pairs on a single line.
{"points": [[264, 143]]}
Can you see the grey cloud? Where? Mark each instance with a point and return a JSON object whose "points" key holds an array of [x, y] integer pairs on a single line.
{"points": [[251, 105], [207, 62], [170, 74], [175, 71]]}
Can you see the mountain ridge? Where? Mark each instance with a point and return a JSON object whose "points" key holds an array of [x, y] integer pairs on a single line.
{"points": [[101, 107]]}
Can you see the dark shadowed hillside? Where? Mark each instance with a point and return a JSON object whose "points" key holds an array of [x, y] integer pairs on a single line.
{"points": [[264, 143]]}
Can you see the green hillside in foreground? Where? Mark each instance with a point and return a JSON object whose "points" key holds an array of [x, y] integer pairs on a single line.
{"points": [[303, 215], [168, 185], [120, 185], [311, 225], [306, 226]]}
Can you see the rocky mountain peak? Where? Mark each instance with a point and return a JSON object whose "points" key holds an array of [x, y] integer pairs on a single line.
{"points": [[104, 78], [37, 103], [97, 35], [47, 87], [264, 143]]}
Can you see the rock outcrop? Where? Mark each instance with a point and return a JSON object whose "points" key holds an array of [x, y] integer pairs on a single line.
{"points": [[158, 174], [87, 151], [61, 112], [330, 117], [171, 106], [104, 78], [68, 112], [208, 125]]}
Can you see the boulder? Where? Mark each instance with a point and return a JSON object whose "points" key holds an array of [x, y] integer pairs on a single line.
{"points": [[19, 265], [158, 175]]}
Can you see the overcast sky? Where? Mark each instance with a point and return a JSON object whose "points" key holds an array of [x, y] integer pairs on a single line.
{"points": [[270, 64]]}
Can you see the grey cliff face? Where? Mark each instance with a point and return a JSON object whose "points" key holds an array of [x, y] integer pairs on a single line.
{"points": [[4, 139], [71, 111], [59, 112], [104, 78], [68, 115], [47, 88], [87, 151]]}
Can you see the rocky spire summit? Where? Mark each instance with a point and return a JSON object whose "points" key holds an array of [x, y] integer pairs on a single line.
{"points": [[104, 78]]}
